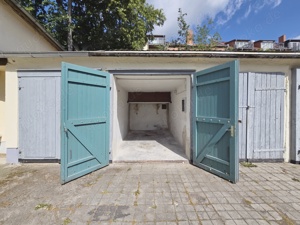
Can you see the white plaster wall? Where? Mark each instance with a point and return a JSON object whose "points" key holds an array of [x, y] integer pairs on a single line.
{"points": [[148, 117], [11, 109], [18, 35], [179, 120], [120, 116], [2, 114]]}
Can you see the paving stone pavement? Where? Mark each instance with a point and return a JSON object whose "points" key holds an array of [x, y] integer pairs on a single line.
{"points": [[150, 193]]}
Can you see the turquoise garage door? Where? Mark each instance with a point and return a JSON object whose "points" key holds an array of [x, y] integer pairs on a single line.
{"points": [[215, 120], [85, 121]]}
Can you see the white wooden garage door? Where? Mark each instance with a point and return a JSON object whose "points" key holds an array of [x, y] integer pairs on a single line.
{"points": [[39, 115], [261, 116]]}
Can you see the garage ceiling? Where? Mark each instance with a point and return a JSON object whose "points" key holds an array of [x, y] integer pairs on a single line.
{"points": [[150, 83]]}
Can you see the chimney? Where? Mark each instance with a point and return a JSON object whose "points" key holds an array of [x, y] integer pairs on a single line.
{"points": [[282, 39], [190, 38]]}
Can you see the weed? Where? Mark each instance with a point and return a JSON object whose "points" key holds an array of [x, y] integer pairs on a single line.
{"points": [[153, 206], [43, 206], [296, 179], [248, 164], [286, 220], [91, 183], [137, 192], [247, 202], [88, 184], [67, 221]]}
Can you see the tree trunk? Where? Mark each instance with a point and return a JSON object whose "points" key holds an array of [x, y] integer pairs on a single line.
{"points": [[70, 38]]}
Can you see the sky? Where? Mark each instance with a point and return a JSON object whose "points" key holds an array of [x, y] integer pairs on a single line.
{"points": [[234, 19]]}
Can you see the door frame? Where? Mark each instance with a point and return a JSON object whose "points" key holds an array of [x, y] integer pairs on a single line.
{"points": [[152, 72]]}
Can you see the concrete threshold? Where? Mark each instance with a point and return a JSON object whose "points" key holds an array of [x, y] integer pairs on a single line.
{"points": [[152, 161]]}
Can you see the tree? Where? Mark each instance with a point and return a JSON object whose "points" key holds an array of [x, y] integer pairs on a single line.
{"points": [[95, 25], [183, 27], [205, 38], [70, 29]]}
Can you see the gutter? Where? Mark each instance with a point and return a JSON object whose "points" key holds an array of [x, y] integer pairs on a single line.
{"points": [[176, 54], [33, 22]]}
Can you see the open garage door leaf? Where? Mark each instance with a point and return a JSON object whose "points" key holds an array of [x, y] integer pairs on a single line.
{"points": [[85, 121], [215, 120]]}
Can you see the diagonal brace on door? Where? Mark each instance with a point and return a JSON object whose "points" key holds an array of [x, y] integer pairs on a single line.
{"points": [[213, 141], [83, 141]]}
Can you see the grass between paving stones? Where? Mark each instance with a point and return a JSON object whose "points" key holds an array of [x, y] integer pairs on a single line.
{"points": [[248, 164], [105, 192], [16, 173], [67, 221], [247, 202], [91, 183], [153, 206], [137, 193], [286, 220], [296, 179], [43, 206]]}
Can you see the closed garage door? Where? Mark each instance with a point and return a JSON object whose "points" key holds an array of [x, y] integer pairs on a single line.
{"points": [[39, 115], [261, 116]]}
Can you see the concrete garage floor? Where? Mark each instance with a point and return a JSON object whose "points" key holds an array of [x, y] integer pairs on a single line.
{"points": [[150, 146]]}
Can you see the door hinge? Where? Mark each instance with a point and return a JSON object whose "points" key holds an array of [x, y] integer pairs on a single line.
{"points": [[232, 131]]}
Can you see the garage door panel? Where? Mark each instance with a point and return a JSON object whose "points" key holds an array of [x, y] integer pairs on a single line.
{"points": [[213, 103], [265, 116], [243, 104], [39, 115], [91, 95], [85, 166], [214, 75], [85, 121], [215, 121]]}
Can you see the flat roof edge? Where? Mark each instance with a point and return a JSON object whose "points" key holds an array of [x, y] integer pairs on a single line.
{"points": [[176, 54]]}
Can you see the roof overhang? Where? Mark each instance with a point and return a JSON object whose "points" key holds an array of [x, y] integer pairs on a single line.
{"points": [[176, 54], [34, 23]]}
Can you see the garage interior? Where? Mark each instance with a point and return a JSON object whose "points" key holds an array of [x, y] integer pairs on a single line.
{"points": [[151, 118]]}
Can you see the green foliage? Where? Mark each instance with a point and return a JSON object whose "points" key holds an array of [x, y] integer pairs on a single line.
{"points": [[105, 25], [206, 37], [183, 27]]}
